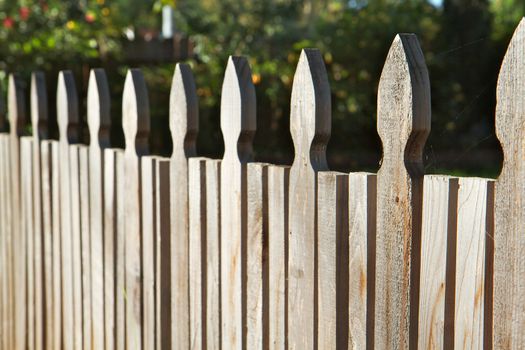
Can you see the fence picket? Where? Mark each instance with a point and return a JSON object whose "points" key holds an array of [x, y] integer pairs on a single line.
{"points": [[256, 257], [278, 177], [509, 211], [403, 123], [310, 123], [238, 127], [184, 126], [43, 290], [213, 257], [162, 253], [197, 251], [5, 284], [438, 242], [54, 148], [361, 255], [136, 124], [98, 118], [16, 109], [67, 117], [332, 260]]}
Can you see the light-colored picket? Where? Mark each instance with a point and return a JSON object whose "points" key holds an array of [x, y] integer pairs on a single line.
{"points": [[119, 249]]}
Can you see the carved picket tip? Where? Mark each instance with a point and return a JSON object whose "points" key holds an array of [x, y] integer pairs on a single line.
{"points": [[67, 107], [135, 112], [3, 116], [39, 109], [310, 118], [184, 110], [16, 106], [98, 107], [238, 104], [403, 121]]}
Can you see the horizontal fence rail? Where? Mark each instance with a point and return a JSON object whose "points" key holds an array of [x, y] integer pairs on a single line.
{"points": [[106, 248]]}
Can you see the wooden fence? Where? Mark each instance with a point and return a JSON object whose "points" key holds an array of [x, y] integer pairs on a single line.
{"points": [[104, 248]]}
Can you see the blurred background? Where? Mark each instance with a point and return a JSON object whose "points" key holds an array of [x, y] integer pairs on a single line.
{"points": [[463, 42]]}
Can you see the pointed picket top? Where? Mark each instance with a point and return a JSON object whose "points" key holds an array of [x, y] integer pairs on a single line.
{"points": [[39, 108], [403, 123], [184, 111], [238, 105], [135, 112], [16, 106], [67, 108], [404, 103], [310, 118], [98, 108], [509, 210]]}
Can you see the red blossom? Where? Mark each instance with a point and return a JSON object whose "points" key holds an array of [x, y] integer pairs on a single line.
{"points": [[90, 17], [24, 13], [8, 23]]}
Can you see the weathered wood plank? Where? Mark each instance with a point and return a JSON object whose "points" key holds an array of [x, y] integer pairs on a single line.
{"points": [[68, 118], [110, 247], [361, 254], [16, 109], [136, 124], [39, 125], [310, 123], [148, 210], [403, 123], [86, 249], [197, 251], [98, 118], [238, 128], [47, 231], [183, 126], [332, 255], [76, 248], [120, 249], [163, 253], [27, 234], [213, 257], [509, 211], [474, 200], [5, 247], [438, 247], [257, 326], [54, 147], [278, 177]]}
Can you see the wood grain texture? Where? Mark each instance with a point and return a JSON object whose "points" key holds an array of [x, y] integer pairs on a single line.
{"points": [[98, 118], [26, 237], [213, 257], [438, 248], [278, 177], [110, 247], [361, 255], [197, 251], [68, 119], [148, 210], [120, 251], [17, 114], [162, 253], [257, 312], [509, 211], [54, 147], [136, 124], [475, 198], [310, 123], [403, 123], [47, 232], [332, 257], [39, 125], [238, 125], [77, 253], [6, 247], [183, 125], [88, 290]]}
